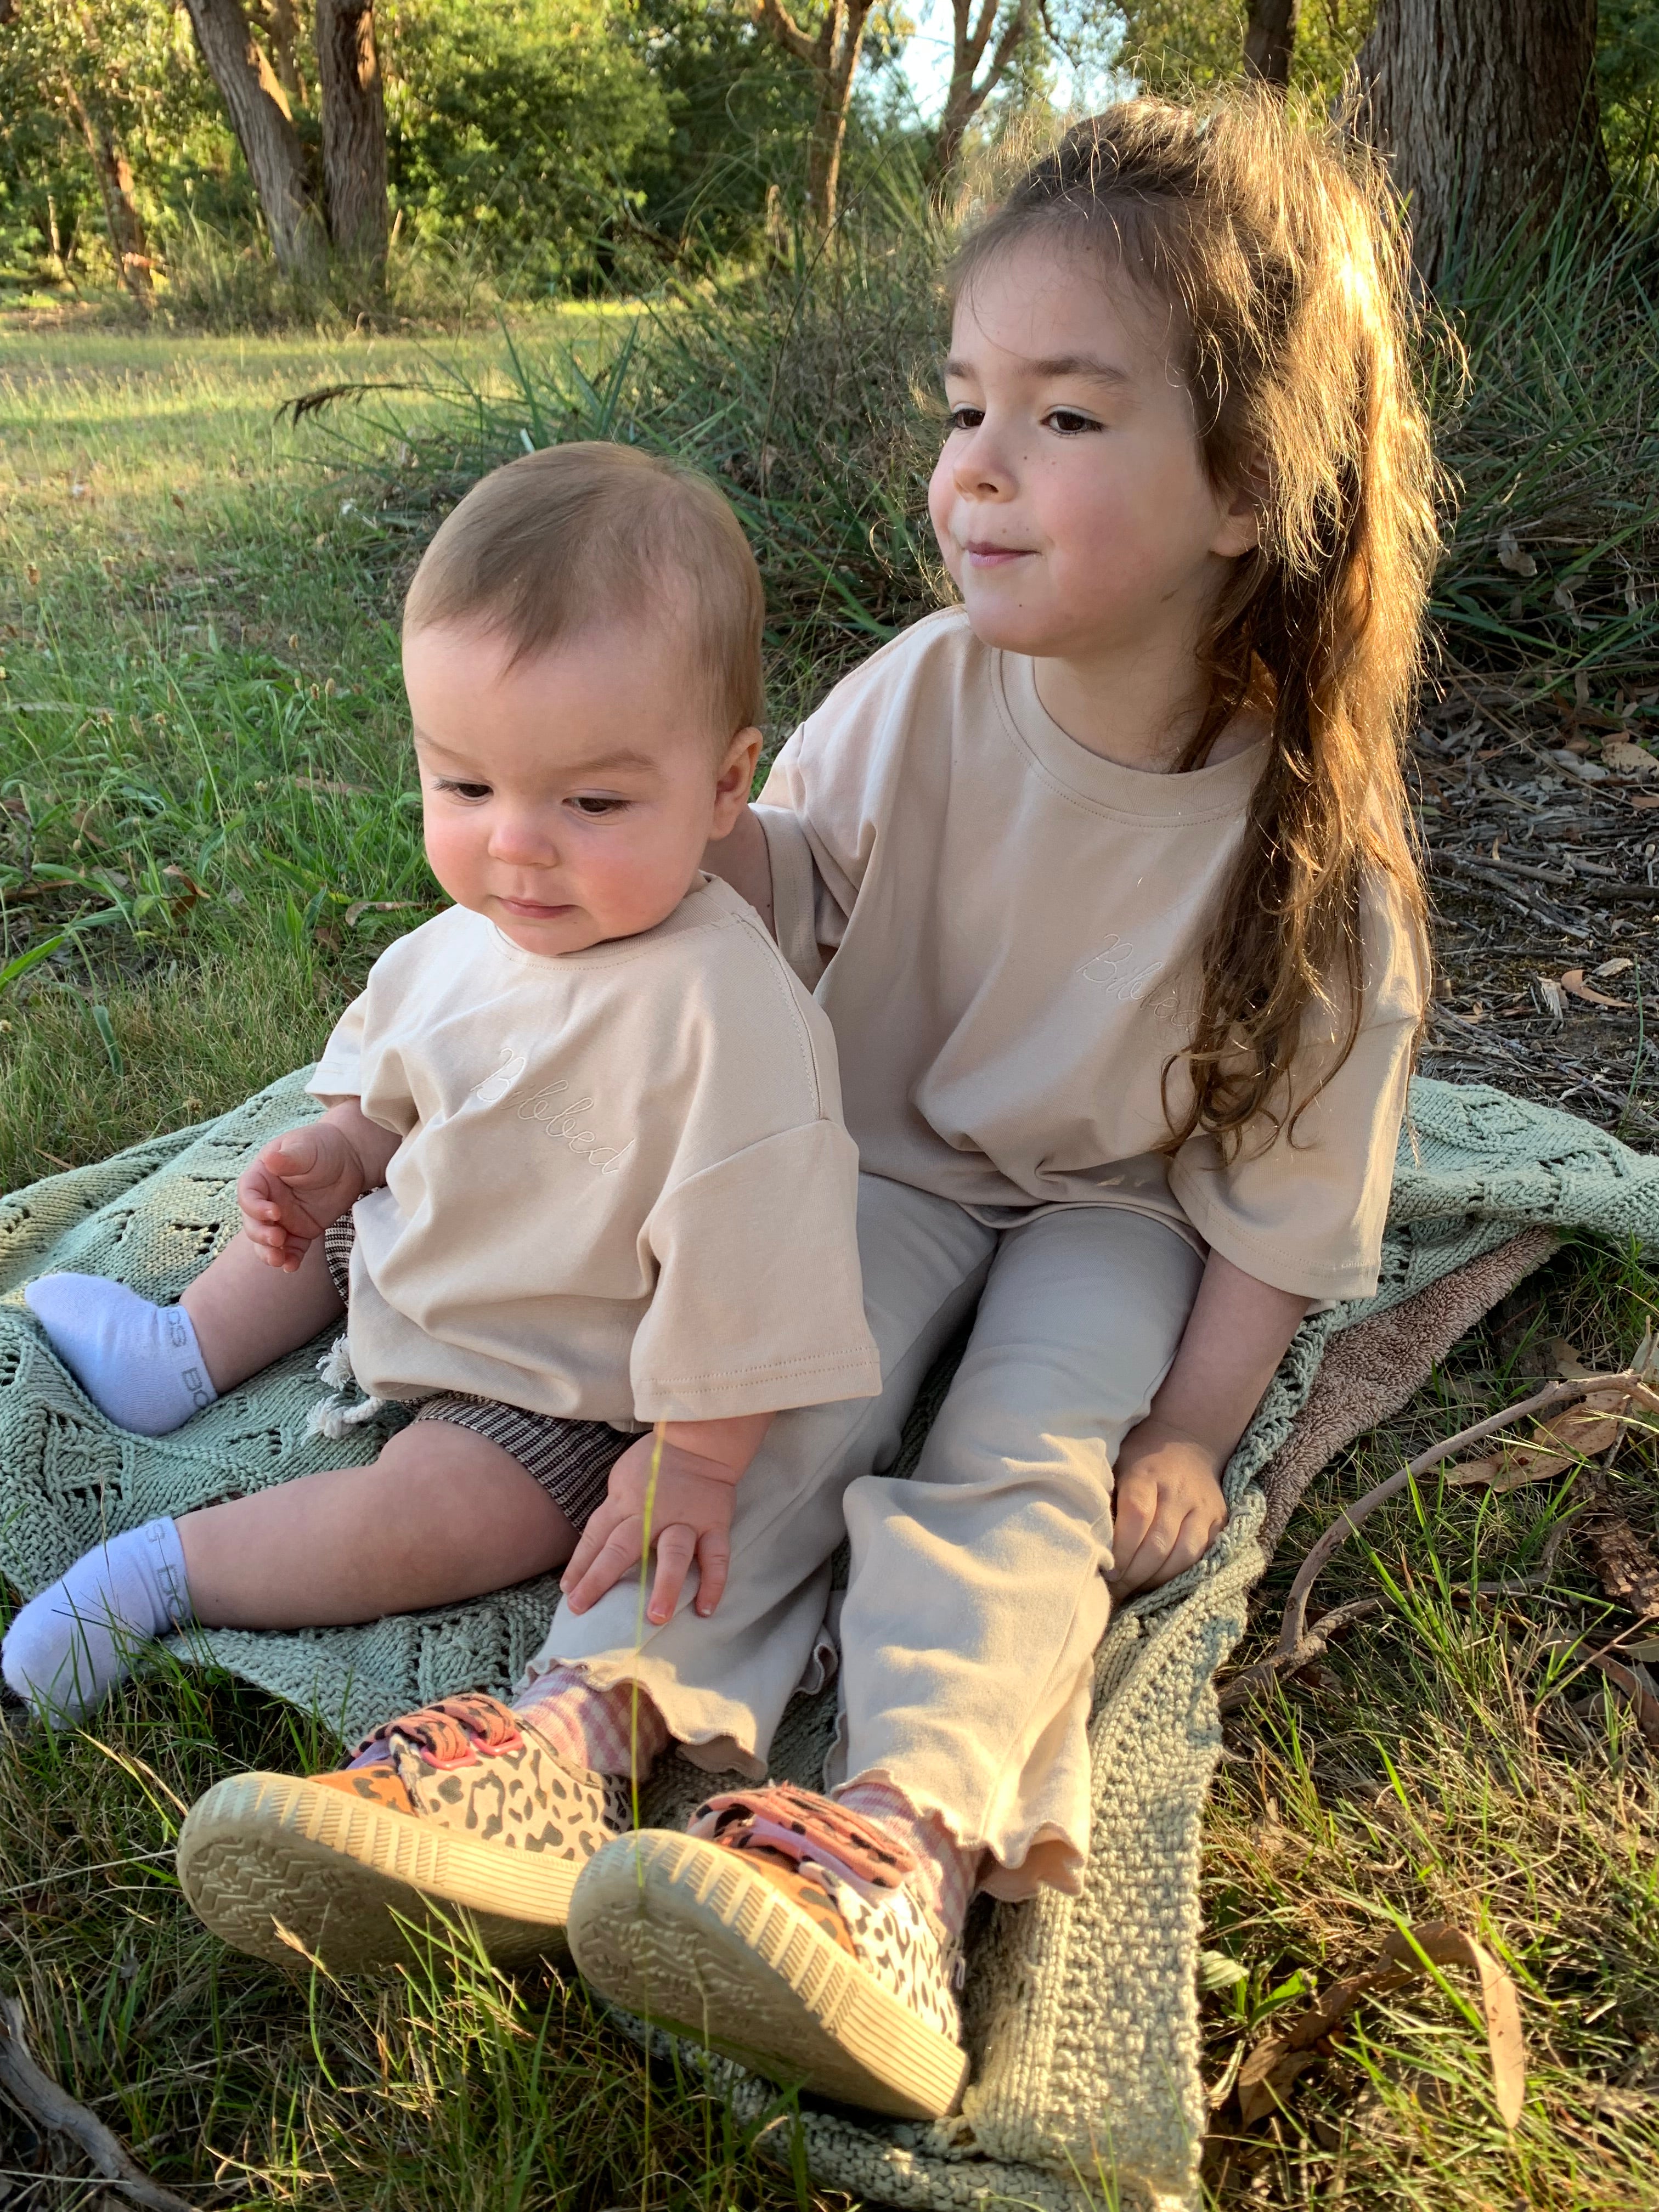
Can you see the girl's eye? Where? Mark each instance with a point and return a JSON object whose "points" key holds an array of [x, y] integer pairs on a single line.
{"points": [[967, 418], [473, 791], [1068, 423], [597, 809]]}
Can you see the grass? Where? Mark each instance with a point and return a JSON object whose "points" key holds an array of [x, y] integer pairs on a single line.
{"points": [[203, 777]]}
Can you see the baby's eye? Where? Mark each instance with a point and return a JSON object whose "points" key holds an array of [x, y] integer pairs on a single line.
{"points": [[596, 809], [1068, 423], [473, 791], [966, 418]]}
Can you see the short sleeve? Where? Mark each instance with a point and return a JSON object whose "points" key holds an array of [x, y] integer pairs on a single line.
{"points": [[339, 1072], [1306, 1212], [759, 1302], [794, 892]]}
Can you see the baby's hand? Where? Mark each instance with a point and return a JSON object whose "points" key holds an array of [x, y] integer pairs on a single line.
{"points": [[301, 1181], [690, 1510], [1167, 1507]]}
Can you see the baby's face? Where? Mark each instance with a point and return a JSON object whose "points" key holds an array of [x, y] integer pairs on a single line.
{"points": [[568, 798]]}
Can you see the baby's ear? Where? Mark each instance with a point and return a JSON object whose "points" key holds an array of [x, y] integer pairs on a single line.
{"points": [[736, 770]]}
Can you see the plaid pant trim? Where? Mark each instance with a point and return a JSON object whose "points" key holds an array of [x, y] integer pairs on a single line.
{"points": [[571, 1460]]}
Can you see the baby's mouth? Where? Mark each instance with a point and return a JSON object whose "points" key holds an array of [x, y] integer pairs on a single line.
{"points": [[981, 553], [534, 909]]}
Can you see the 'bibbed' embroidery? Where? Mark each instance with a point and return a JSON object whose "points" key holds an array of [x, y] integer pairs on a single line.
{"points": [[1121, 970], [565, 1124]]}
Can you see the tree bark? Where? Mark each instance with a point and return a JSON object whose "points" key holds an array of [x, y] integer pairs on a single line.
{"points": [[281, 29], [1486, 108], [1270, 40], [260, 116], [114, 173], [968, 93], [832, 56], [354, 131]]}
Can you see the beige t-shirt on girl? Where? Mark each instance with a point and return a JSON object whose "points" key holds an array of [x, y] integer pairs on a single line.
{"points": [[624, 1192], [1019, 923]]}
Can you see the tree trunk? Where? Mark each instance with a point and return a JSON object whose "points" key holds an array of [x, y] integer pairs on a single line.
{"points": [[259, 117], [1270, 40], [1484, 108], [354, 132], [966, 96], [114, 173], [281, 28], [832, 56]]}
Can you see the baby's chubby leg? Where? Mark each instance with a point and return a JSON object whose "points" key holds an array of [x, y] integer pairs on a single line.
{"points": [[150, 1367], [442, 1515]]}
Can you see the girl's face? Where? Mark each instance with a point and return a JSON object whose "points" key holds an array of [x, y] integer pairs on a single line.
{"points": [[1071, 503]]}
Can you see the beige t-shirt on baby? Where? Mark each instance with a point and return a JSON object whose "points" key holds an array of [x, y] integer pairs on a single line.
{"points": [[624, 1192], [1018, 924]]}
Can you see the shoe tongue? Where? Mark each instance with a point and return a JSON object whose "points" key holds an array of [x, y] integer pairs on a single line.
{"points": [[806, 1828]]}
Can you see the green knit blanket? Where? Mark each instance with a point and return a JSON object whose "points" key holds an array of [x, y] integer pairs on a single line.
{"points": [[1082, 2012]]}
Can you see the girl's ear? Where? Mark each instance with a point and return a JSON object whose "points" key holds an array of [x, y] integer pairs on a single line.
{"points": [[1239, 521], [737, 773]]}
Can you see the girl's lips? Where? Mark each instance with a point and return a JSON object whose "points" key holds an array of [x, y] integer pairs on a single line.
{"points": [[996, 556]]}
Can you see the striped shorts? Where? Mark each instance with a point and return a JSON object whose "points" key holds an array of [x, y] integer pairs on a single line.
{"points": [[571, 1460]]}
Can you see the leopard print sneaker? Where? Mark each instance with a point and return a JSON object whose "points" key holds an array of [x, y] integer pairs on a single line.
{"points": [[780, 1929], [467, 1811]]}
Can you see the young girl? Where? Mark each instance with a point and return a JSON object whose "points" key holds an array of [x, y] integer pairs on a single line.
{"points": [[1104, 879]]}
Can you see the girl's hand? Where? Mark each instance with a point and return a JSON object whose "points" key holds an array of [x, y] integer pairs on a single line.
{"points": [[1167, 1507], [301, 1181], [690, 1518]]}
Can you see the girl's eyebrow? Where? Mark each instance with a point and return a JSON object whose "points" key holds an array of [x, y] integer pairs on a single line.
{"points": [[1087, 365]]}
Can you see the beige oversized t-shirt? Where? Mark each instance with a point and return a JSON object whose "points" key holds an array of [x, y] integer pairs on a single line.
{"points": [[1019, 923], [624, 1190]]}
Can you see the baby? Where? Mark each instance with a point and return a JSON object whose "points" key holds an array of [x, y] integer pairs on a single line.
{"points": [[582, 1169]]}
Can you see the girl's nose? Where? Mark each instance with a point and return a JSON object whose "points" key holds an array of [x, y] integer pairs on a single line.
{"points": [[982, 468]]}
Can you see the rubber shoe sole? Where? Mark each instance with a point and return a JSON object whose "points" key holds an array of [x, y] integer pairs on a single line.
{"points": [[265, 1853], [680, 1932]]}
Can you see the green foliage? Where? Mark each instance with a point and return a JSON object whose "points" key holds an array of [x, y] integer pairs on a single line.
{"points": [[524, 125], [1627, 72], [1175, 44]]}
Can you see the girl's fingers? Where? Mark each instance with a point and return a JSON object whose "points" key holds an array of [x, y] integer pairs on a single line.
{"points": [[714, 1563], [675, 1549]]}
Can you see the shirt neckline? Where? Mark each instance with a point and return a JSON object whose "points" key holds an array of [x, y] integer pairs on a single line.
{"points": [[1204, 794]]}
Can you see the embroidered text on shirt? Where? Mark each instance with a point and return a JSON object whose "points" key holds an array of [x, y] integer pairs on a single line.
{"points": [[565, 1122], [1119, 967], [498, 1085]]}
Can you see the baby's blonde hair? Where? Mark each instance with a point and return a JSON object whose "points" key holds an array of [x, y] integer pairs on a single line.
{"points": [[1281, 253], [570, 538]]}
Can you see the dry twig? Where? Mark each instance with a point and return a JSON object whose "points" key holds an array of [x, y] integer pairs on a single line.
{"points": [[34, 2091]]}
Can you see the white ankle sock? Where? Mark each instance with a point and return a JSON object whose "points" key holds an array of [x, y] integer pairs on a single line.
{"points": [[138, 1363], [69, 1647]]}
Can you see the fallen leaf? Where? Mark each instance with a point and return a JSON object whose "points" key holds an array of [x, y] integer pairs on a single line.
{"points": [[1286, 2053], [1625, 758], [1510, 556], [1573, 980], [1612, 967], [1624, 1562], [1581, 679], [1587, 771], [1642, 800]]}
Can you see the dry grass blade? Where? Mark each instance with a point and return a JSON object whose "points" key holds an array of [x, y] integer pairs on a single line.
{"points": [[1276, 2061], [34, 2091], [1603, 1399]]}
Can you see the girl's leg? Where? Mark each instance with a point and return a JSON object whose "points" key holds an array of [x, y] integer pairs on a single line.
{"points": [[977, 1593]]}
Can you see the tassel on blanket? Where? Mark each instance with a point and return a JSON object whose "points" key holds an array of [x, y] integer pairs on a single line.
{"points": [[333, 1417]]}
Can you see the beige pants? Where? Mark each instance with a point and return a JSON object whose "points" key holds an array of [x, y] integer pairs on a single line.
{"points": [[976, 1596]]}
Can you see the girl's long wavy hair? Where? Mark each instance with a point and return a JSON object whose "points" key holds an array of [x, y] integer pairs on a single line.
{"points": [[1283, 259]]}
